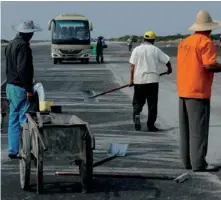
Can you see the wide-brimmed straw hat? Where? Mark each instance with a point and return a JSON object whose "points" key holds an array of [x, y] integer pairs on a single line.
{"points": [[204, 22], [27, 27]]}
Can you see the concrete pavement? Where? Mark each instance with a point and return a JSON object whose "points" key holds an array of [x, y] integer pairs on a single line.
{"points": [[110, 118]]}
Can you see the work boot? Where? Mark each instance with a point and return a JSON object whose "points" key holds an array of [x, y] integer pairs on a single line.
{"points": [[188, 167], [152, 128], [137, 123], [208, 168], [14, 156]]}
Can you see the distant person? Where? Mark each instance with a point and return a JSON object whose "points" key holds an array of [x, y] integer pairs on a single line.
{"points": [[19, 73], [99, 50], [103, 42], [220, 41], [196, 65], [130, 43], [144, 76]]}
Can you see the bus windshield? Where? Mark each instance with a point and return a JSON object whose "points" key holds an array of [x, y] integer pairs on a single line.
{"points": [[71, 32]]}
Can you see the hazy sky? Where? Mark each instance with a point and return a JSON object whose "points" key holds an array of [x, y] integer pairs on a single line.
{"points": [[110, 19]]}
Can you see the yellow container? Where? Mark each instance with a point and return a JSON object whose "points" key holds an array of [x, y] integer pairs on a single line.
{"points": [[45, 105]]}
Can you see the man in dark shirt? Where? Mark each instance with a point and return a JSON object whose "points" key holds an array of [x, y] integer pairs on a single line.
{"points": [[99, 50], [19, 89]]}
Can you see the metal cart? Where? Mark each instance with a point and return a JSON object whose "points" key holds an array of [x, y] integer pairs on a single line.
{"points": [[62, 135]]}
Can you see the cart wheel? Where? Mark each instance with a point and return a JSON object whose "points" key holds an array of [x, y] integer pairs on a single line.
{"points": [[39, 163], [35, 162], [39, 172], [25, 162], [39, 177], [86, 171]]}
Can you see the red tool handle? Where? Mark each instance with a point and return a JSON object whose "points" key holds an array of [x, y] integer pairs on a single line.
{"points": [[109, 91], [114, 89]]}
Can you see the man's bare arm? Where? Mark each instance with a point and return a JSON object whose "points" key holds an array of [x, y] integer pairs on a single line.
{"points": [[169, 67], [132, 66], [216, 68]]}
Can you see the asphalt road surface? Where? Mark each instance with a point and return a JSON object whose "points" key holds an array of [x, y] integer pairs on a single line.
{"points": [[110, 117]]}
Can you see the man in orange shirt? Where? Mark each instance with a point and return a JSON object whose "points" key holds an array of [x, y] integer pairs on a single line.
{"points": [[196, 65]]}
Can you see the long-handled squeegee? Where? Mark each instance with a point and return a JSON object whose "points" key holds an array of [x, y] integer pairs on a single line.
{"points": [[118, 88]]}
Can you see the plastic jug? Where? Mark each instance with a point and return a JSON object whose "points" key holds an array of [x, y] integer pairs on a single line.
{"points": [[94, 50]]}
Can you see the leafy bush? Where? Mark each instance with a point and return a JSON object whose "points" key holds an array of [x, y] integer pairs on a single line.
{"points": [[159, 38]]}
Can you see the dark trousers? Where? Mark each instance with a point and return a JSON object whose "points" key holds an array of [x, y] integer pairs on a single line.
{"points": [[99, 54], [194, 115], [142, 93]]}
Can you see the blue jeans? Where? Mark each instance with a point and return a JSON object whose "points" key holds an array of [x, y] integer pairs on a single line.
{"points": [[19, 106]]}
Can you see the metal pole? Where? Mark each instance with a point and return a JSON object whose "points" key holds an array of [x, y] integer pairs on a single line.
{"points": [[122, 175]]}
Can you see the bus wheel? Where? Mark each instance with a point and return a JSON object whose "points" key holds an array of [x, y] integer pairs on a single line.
{"points": [[86, 61], [55, 61]]}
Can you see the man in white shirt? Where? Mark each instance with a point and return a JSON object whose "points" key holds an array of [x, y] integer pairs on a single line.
{"points": [[144, 76]]}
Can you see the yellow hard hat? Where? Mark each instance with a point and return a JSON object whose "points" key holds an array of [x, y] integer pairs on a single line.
{"points": [[150, 35]]}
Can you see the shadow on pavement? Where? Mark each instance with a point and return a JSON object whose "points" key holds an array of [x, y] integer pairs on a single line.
{"points": [[101, 185]]}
